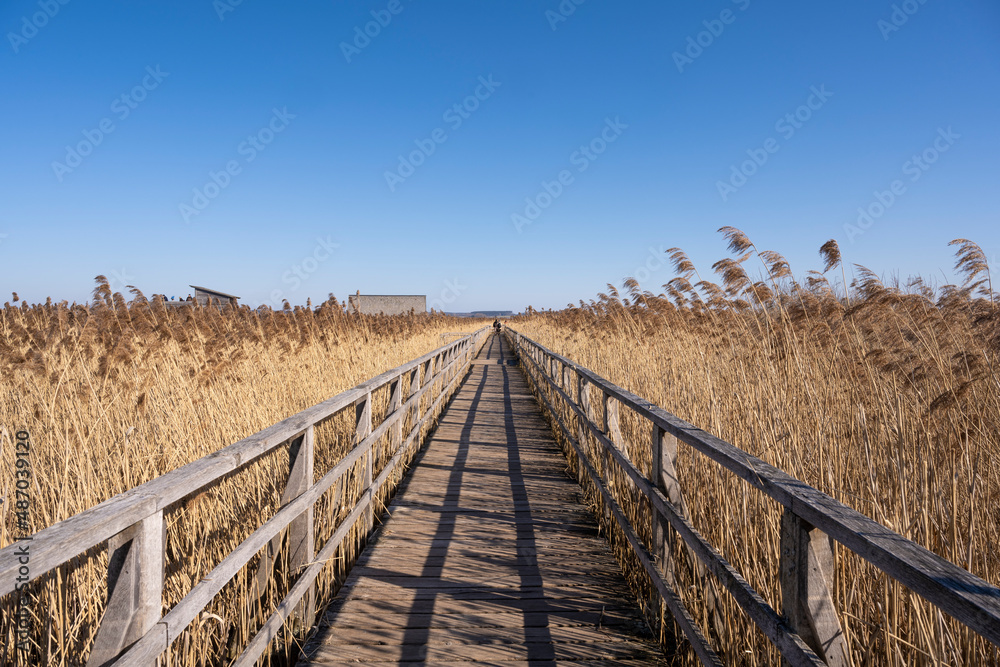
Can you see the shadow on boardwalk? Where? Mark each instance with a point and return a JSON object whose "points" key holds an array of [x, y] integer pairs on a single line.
{"points": [[486, 553]]}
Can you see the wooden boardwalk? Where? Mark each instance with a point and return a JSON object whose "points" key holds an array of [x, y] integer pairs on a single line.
{"points": [[487, 554]]}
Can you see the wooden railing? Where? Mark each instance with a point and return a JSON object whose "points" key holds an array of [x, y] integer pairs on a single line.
{"points": [[132, 523], [808, 630]]}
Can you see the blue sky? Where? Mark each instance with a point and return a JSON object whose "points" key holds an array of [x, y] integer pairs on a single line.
{"points": [[276, 151]]}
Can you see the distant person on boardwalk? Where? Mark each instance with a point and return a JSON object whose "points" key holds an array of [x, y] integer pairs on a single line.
{"points": [[496, 326]]}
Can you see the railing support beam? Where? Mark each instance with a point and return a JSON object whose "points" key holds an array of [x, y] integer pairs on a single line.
{"points": [[807, 571], [301, 548], [135, 588], [362, 429]]}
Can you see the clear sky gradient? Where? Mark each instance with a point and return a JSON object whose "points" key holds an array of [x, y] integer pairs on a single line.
{"points": [[256, 147]]}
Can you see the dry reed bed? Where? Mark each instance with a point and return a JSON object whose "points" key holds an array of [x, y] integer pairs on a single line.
{"points": [[117, 393], [887, 400]]}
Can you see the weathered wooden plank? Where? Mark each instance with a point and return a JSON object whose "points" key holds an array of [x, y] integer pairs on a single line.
{"points": [[535, 663], [463, 578], [552, 601], [405, 560], [473, 621], [435, 635], [496, 550], [370, 591], [611, 650]]}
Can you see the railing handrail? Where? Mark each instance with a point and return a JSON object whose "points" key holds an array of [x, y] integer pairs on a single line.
{"points": [[964, 596], [59, 543]]}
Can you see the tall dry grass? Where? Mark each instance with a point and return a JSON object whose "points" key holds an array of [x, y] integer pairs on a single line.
{"points": [[116, 392], [886, 397]]}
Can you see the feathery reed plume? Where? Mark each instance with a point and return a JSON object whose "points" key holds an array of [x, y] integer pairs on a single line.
{"points": [[102, 292], [734, 276], [739, 242], [971, 263], [632, 285], [830, 252], [682, 265]]}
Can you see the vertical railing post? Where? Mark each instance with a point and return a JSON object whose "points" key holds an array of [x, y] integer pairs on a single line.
{"points": [[426, 375], [135, 588], [438, 385], [613, 432], [395, 403], [301, 549], [583, 435], [807, 571], [612, 429], [362, 429], [300, 530], [611, 426], [567, 380], [664, 477], [414, 388]]}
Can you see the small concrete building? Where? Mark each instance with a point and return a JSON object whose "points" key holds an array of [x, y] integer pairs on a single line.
{"points": [[386, 304], [202, 295]]}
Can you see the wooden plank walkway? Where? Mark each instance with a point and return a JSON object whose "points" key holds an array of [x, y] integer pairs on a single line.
{"points": [[487, 555]]}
